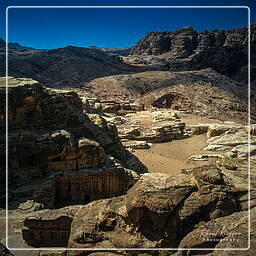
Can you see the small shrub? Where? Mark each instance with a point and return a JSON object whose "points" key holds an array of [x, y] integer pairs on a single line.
{"points": [[164, 253], [199, 224]]}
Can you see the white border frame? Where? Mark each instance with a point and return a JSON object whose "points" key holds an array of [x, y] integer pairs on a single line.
{"points": [[249, 135]]}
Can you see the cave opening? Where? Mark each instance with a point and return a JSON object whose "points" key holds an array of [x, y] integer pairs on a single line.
{"points": [[56, 159], [165, 101]]}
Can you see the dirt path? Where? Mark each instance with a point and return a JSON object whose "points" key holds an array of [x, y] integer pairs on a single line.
{"points": [[172, 157]]}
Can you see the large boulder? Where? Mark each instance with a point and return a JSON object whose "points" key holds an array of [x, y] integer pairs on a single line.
{"points": [[152, 200]]}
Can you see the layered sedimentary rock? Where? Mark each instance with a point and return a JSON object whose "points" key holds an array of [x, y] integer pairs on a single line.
{"points": [[224, 51], [57, 153], [203, 92], [165, 132], [181, 43], [49, 229], [85, 185], [158, 211]]}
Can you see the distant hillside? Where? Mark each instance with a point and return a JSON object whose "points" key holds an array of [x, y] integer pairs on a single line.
{"points": [[182, 50], [65, 67], [120, 51], [14, 45]]}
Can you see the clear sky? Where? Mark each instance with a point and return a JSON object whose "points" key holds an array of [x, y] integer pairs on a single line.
{"points": [[52, 28]]}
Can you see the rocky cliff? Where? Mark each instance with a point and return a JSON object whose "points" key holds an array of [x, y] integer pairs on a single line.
{"points": [[224, 51], [57, 153], [160, 210], [183, 42], [204, 92]]}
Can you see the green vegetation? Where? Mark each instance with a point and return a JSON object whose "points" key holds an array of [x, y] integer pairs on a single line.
{"points": [[199, 224]]}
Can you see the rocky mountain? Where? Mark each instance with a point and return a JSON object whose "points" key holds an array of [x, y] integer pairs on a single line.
{"points": [[224, 51], [64, 67], [183, 42], [49, 133], [184, 49], [15, 45]]}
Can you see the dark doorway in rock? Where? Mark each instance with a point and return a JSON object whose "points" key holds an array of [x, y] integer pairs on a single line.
{"points": [[165, 101], [87, 199], [56, 159]]}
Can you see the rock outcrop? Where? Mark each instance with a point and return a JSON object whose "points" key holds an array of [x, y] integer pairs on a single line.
{"points": [[84, 186], [158, 211], [57, 153], [180, 43], [224, 51], [49, 229], [203, 92], [228, 232]]}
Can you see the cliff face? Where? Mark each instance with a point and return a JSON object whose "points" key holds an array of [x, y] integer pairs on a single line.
{"points": [[181, 43], [186, 41], [58, 153], [158, 211], [185, 49]]}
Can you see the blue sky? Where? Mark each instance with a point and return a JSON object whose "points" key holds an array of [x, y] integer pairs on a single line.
{"points": [[52, 28]]}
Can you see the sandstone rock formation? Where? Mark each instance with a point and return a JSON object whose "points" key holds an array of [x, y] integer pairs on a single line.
{"points": [[158, 211], [85, 185], [205, 49], [57, 154], [181, 43], [204, 92], [50, 229], [227, 232], [72, 181], [165, 132]]}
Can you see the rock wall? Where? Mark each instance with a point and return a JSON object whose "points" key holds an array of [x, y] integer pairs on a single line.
{"points": [[158, 211], [185, 49], [57, 153], [84, 186], [183, 42], [53, 229], [35, 112]]}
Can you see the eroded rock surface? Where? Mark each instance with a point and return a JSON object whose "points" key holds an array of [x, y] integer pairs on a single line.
{"points": [[57, 153], [202, 50], [226, 232], [158, 211]]}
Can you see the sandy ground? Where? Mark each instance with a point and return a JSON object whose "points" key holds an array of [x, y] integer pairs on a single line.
{"points": [[172, 157]]}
